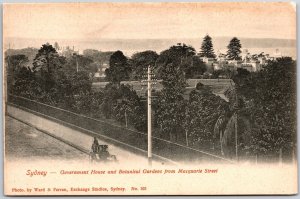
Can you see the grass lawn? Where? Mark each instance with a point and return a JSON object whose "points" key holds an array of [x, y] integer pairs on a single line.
{"points": [[218, 86]]}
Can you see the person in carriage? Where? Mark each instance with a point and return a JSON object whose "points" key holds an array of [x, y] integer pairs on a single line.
{"points": [[100, 152]]}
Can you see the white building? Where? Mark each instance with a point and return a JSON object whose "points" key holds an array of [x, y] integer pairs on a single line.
{"points": [[245, 54], [252, 65]]}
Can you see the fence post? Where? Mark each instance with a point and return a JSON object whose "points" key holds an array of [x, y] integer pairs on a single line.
{"points": [[256, 158], [126, 119], [186, 138]]}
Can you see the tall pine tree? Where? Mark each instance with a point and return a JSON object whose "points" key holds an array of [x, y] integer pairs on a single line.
{"points": [[207, 49], [234, 49]]}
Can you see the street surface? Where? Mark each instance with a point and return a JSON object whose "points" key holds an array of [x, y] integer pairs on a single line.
{"points": [[26, 142], [30, 145]]}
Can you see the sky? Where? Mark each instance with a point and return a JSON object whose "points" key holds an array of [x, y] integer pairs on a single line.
{"points": [[149, 20]]}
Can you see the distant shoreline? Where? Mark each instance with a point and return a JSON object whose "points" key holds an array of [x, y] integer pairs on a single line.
{"points": [[130, 46]]}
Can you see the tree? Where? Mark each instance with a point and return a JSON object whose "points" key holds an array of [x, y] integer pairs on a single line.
{"points": [[175, 54], [73, 83], [25, 84], [16, 61], [269, 97], [123, 104], [140, 61], [180, 56], [240, 78], [119, 69], [202, 111], [235, 125], [194, 68], [128, 108], [46, 64], [170, 116], [234, 49], [170, 110], [78, 63], [216, 74], [207, 49], [81, 83], [78, 96], [14, 64], [29, 52], [172, 64], [98, 57]]}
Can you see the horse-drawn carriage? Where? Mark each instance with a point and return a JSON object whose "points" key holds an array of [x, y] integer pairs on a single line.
{"points": [[99, 153]]}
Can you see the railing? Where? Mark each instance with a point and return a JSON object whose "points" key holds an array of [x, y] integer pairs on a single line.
{"points": [[136, 139]]}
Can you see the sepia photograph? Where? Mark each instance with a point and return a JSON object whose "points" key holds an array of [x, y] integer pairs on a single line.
{"points": [[150, 98]]}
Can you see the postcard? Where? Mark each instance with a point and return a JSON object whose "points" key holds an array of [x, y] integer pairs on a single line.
{"points": [[149, 98]]}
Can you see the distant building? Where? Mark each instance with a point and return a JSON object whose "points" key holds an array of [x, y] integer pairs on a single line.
{"points": [[235, 63], [100, 74], [208, 61], [245, 54], [251, 66], [217, 66], [101, 69], [68, 51], [250, 62], [247, 66], [221, 57]]}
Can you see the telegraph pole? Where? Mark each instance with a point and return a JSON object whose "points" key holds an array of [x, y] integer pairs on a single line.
{"points": [[149, 118], [236, 137], [150, 81]]}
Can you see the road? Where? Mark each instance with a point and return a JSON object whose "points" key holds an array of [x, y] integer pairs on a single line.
{"points": [[77, 138], [26, 142]]}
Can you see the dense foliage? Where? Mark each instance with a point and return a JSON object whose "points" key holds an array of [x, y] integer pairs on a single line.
{"points": [[123, 104], [264, 101], [119, 69], [269, 97], [140, 61], [202, 112], [170, 111]]}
